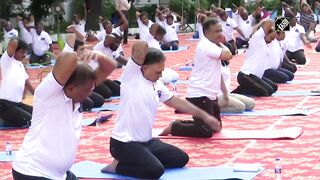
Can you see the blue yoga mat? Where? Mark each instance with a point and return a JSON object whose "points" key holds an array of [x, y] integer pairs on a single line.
{"points": [[296, 93], [4, 158], [113, 98], [282, 112], [185, 68], [307, 81], [181, 48], [93, 121], [193, 39], [89, 169], [106, 107]]}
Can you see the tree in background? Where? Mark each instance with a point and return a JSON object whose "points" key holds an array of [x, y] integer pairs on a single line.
{"points": [[41, 9]]}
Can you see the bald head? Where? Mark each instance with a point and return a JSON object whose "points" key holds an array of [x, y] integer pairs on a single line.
{"points": [[139, 51]]}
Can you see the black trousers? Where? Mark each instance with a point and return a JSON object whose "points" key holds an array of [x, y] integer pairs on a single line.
{"points": [[15, 114], [146, 160], [255, 86], [108, 88], [298, 56], [197, 127], [289, 66], [231, 46], [240, 43], [93, 101], [279, 75], [18, 176], [174, 45]]}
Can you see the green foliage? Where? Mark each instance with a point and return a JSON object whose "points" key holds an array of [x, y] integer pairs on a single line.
{"points": [[187, 6], [40, 8]]}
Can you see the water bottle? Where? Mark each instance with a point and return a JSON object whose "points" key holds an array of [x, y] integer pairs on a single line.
{"points": [[278, 169], [8, 151], [98, 119], [187, 62], [174, 86]]}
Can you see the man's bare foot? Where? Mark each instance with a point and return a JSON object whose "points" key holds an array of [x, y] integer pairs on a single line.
{"points": [[110, 168], [166, 131]]}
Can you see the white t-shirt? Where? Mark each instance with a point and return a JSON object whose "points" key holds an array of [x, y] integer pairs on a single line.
{"points": [[25, 34], [245, 26], [106, 50], [49, 148], [172, 31], [143, 29], [13, 80], [227, 28], [256, 55], [102, 35], [152, 42], [161, 23], [276, 55], [206, 73], [139, 100], [226, 75], [40, 42], [81, 27], [200, 30], [10, 35], [293, 38]]}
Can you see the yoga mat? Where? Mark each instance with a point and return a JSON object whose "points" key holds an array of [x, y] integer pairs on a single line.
{"points": [[286, 133], [93, 121], [307, 81], [185, 68], [113, 98], [181, 48], [89, 169], [4, 158], [36, 66], [274, 112], [106, 107], [192, 39], [11, 128], [296, 93]]}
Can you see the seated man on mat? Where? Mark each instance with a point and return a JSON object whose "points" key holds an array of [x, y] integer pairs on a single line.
{"points": [[14, 80], [250, 76], [205, 82], [49, 147], [134, 150]]}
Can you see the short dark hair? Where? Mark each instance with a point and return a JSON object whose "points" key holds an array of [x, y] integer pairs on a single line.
{"points": [[169, 16], [153, 56], [143, 14], [81, 75], [161, 30], [22, 45], [209, 22]]}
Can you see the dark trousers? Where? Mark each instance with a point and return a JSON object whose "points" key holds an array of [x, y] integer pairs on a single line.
{"points": [[318, 47], [231, 46], [18, 176], [255, 86], [289, 66], [240, 43], [125, 32], [197, 127], [93, 101], [108, 88], [174, 45], [298, 56], [15, 114], [44, 59], [146, 160], [279, 75]]}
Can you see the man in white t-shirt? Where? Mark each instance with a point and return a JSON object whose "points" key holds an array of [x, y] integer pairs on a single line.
{"points": [[170, 40], [245, 25], [205, 82], [49, 147], [13, 82], [9, 32], [136, 153], [228, 26], [250, 77], [155, 35], [144, 24], [41, 43], [24, 25], [296, 38], [274, 71], [79, 24]]}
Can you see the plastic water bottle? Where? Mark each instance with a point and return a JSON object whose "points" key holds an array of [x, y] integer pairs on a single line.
{"points": [[8, 151], [174, 86], [278, 169], [98, 119]]}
